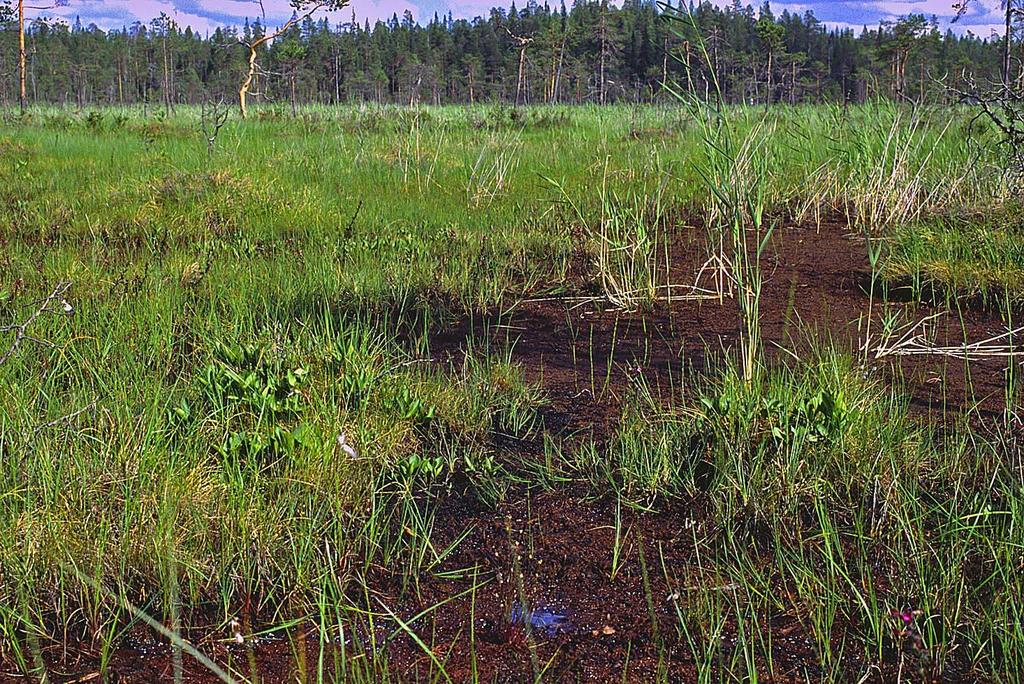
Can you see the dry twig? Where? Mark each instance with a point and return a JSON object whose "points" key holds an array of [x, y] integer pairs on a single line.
{"points": [[46, 305], [914, 340]]}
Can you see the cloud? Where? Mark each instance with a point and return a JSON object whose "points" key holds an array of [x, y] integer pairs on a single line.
{"points": [[206, 15], [978, 11], [983, 17]]}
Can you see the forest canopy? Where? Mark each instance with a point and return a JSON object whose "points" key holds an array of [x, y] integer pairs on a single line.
{"points": [[591, 51]]}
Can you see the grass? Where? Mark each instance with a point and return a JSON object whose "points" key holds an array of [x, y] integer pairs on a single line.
{"points": [[244, 415], [819, 498], [966, 257]]}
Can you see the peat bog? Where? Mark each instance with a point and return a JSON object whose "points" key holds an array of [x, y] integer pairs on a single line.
{"points": [[435, 409]]}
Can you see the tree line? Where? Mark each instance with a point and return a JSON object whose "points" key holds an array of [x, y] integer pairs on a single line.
{"points": [[589, 52]]}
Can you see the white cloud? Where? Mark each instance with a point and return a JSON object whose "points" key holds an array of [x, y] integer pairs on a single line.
{"points": [[207, 15]]}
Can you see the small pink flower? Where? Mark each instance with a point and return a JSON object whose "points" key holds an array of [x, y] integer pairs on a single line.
{"points": [[905, 615]]}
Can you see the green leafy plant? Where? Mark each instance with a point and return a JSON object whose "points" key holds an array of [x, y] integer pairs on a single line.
{"points": [[245, 375], [407, 405]]}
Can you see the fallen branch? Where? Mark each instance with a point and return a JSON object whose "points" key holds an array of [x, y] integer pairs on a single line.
{"points": [[65, 418], [915, 342], [20, 330]]}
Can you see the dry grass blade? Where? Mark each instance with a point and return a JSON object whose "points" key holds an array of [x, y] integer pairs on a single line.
{"points": [[916, 340]]}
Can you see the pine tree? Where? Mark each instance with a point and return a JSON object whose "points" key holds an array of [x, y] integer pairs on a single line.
{"points": [[586, 51]]}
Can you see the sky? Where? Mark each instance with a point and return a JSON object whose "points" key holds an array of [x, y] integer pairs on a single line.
{"points": [[982, 19]]}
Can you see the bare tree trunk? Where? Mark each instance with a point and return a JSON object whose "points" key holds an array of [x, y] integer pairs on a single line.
{"points": [[32, 76], [920, 98], [549, 94], [903, 72], [690, 83], [604, 19], [522, 42], [21, 54], [173, 92], [519, 79], [755, 83], [718, 80], [1020, 76], [792, 85], [167, 76], [337, 81], [558, 74], [894, 86], [243, 91], [295, 110], [414, 94], [1007, 42], [664, 65]]}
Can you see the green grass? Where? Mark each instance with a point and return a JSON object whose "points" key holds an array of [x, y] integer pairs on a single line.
{"points": [[816, 496], [172, 444], [973, 256]]}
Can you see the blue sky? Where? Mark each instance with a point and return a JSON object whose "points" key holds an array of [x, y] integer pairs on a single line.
{"points": [[983, 19]]}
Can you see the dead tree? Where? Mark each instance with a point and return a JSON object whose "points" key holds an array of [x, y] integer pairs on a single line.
{"points": [[603, 34], [522, 42], [556, 83], [212, 118], [1013, 12], [165, 25], [22, 65], [303, 10], [1002, 104]]}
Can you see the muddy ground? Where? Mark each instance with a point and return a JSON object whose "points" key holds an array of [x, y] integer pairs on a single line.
{"points": [[588, 627]]}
